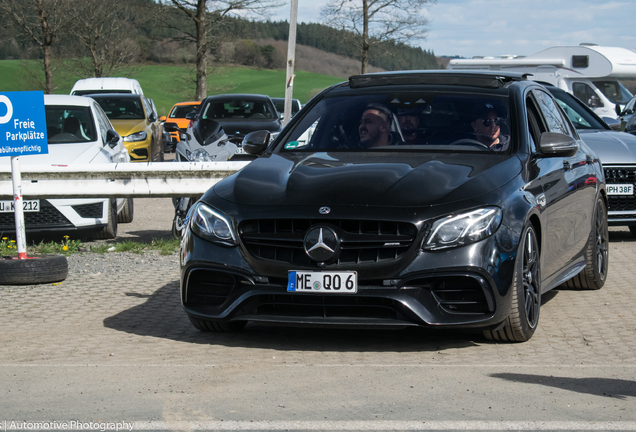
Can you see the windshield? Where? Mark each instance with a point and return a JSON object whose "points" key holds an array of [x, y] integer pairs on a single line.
{"points": [[580, 117], [180, 111], [122, 108], [66, 125], [238, 109], [614, 91], [425, 121]]}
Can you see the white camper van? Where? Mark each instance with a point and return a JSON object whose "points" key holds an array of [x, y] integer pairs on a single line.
{"points": [[106, 85], [588, 71]]}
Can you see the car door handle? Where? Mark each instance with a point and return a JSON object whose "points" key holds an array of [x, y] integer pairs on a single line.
{"points": [[566, 166]]}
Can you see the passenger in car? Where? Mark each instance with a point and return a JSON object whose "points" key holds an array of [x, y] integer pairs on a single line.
{"points": [[487, 126], [409, 121], [375, 125]]}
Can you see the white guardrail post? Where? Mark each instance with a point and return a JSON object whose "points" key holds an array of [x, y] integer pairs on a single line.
{"points": [[124, 180]]}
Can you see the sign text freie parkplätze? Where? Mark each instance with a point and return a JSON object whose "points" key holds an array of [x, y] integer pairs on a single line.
{"points": [[22, 124]]}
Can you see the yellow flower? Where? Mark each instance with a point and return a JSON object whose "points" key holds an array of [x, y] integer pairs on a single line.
{"points": [[4, 238], [65, 248], [66, 237], [12, 241]]}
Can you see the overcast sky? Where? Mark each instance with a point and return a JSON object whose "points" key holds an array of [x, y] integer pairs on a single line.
{"points": [[522, 27]]}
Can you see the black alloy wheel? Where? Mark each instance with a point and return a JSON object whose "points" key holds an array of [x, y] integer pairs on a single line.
{"points": [[526, 293]]}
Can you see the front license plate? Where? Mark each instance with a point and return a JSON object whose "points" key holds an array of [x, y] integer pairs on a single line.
{"points": [[239, 150], [27, 206], [323, 282], [620, 189]]}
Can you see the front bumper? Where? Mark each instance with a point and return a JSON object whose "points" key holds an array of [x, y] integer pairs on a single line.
{"points": [[139, 150], [462, 287]]}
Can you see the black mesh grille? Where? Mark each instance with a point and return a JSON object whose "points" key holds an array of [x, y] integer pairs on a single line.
{"points": [[320, 307], [47, 217], [455, 294], [89, 210], [208, 287], [362, 242], [621, 175]]}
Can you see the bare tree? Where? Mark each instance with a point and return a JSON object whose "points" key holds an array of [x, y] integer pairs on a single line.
{"points": [[40, 21], [374, 21], [105, 30], [208, 15]]}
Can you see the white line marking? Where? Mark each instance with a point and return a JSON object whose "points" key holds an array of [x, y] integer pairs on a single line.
{"points": [[387, 425], [356, 365]]}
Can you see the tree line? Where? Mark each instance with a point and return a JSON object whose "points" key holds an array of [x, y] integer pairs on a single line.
{"points": [[100, 37]]}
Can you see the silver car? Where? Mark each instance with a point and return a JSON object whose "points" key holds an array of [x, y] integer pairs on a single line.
{"points": [[617, 151]]}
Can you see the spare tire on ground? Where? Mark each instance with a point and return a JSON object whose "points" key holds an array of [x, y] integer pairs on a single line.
{"points": [[36, 269]]}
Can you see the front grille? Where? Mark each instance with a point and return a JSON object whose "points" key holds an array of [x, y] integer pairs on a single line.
{"points": [[621, 175], [361, 242], [95, 210], [321, 307], [208, 287], [47, 217], [455, 294]]}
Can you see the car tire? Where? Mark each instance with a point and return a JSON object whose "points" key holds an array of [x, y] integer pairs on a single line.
{"points": [[127, 213], [526, 293], [594, 274], [36, 269], [217, 326], [110, 230], [632, 230]]}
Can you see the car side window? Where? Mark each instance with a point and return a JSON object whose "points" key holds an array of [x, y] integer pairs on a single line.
{"points": [[587, 95], [102, 122], [551, 113], [535, 124]]}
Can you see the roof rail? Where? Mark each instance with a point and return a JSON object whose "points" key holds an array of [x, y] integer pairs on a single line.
{"points": [[460, 78]]}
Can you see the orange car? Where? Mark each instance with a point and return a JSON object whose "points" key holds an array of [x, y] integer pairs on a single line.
{"points": [[177, 115]]}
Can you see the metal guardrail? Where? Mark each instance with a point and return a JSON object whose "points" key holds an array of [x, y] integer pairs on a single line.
{"points": [[125, 180]]}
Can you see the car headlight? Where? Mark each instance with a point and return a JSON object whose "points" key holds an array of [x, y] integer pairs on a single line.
{"points": [[137, 136], [462, 229], [212, 225], [199, 155]]}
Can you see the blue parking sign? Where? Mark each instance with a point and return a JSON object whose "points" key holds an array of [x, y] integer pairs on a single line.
{"points": [[22, 124]]}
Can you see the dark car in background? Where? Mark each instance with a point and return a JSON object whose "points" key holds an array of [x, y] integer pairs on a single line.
{"points": [[441, 231], [280, 106], [617, 152], [628, 117], [240, 114]]}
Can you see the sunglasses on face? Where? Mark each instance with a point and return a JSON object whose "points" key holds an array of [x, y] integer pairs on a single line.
{"points": [[497, 121]]}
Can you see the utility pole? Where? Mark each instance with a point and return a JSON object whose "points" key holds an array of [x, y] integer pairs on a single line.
{"points": [[291, 62]]}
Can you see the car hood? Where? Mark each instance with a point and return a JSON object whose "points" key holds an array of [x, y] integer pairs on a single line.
{"points": [[127, 127], [243, 127], [610, 146], [64, 154], [382, 179]]}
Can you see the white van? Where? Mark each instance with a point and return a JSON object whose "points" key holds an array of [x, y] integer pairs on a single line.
{"points": [[106, 85], [588, 71]]}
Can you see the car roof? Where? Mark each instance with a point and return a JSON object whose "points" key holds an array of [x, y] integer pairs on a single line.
{"points": [[114, 95], [187, 103], [486, 79], [58, 99], [240, 96]]}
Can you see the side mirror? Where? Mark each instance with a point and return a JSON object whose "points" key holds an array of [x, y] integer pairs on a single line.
{"points": [[613, 123], [112, 138], [618, 109], [256, 142], [152, 118], [192, 115], [557, 144], [162, 118], [171, 127]]}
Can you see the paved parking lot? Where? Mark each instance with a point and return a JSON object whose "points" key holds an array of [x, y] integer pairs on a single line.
{"points": [[118, 346]]}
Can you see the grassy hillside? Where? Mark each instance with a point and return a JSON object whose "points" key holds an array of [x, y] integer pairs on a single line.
{"points": [[167, 85]]}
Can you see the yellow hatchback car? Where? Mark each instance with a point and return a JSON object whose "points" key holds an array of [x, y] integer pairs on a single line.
{"points": [[134, 118]]}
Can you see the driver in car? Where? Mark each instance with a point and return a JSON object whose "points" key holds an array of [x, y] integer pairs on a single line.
{"points": [[375, 125], [487, 126]]}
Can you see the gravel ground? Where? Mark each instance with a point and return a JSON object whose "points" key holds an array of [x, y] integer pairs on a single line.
{"points": [[120, 262]]}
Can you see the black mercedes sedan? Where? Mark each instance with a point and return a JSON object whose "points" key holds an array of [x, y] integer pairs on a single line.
{"points": [[421, 198]]}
